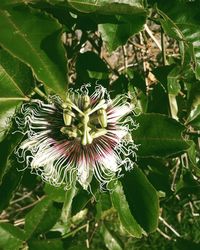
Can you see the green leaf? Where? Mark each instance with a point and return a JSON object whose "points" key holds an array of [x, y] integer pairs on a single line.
{"points": [[159, 94], [108, 6], [34, 37], [9, 184], [115, 35], [11, 238], [173, 81], [56, 194], [80, 201], [11, 3], [103, 206], [142, 199], [181, 21], [158, 174], [111, 242], [48, 244], [16, 82], [119, 86], [90, 68], [127, 219], [7, 147], [41, 218], [194, 117], [187, 184], [159, 136], [170, 27], [184, 244], [59, 10]]}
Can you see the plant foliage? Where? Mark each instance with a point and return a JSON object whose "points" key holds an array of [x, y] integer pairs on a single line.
{"points": [[148, 50]]}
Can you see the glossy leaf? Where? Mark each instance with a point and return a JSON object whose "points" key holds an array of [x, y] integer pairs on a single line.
{"points": [[10, 182], [159, 136], [41, 218], [26, 33], [194, 117], [170, 27], [116, 34], [111, 242], [187, 184], [181, 22], [127, 219], [119, 86], [11, 238], [55, 193], [90, 68], [159, 94], [173, 81], [103, 206], [16, 82], [80, 201], [108, 7], [48, 244], [7, 147], [142, 199]]}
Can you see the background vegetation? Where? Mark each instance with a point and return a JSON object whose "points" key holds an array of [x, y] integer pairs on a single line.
{"points": [[149, 48]]}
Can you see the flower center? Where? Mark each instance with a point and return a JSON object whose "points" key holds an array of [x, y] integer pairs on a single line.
{"points": [[84, 120]]}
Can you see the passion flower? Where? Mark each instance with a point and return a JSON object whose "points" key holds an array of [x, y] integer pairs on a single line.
{"points": [[84, 136]]}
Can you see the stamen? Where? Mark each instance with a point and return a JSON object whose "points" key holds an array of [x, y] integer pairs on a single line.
{"points": [[70, 103], [100, 105], [86, 102], [98, 133], [102, 117]]}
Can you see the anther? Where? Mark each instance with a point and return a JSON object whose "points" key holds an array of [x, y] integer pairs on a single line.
{"points": [[102, 117], [99, 132], [67, 117], [68, 132], [86, 102]]}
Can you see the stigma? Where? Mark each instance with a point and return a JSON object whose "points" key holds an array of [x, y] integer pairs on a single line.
{"points": [[83, 120]]}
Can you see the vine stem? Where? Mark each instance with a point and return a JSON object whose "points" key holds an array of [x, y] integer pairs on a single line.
{"points": [[40, 93]]}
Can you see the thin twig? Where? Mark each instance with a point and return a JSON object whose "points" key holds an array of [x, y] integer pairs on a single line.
{"points": [[4, 220], [21, 198], [74, 232], [139, 46], [128, 66], [163, 48], [19, 222], [143, 52], [152, 36], [175, 174], [93, 232], [30, 205], [164, 234], [169, 226], [125, 57]]}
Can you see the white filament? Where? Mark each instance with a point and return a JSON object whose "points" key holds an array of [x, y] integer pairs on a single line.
{"points": [[51, 159]]}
